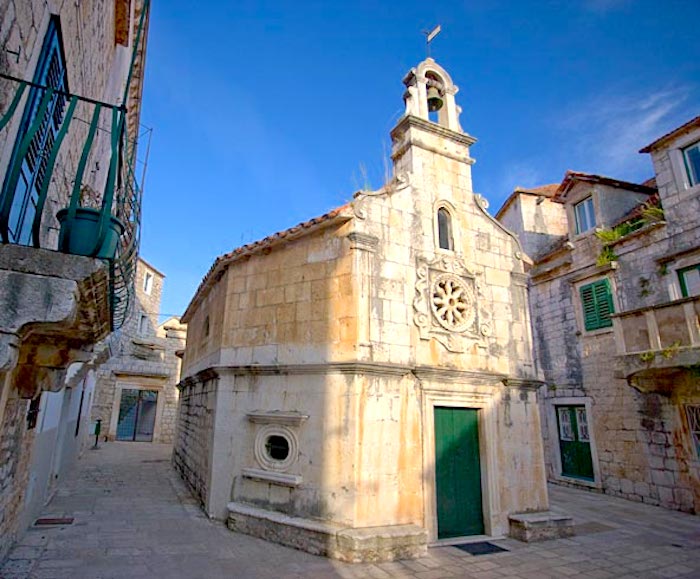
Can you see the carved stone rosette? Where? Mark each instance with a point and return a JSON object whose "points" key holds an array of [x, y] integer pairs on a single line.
{"points": [[446, 305]]}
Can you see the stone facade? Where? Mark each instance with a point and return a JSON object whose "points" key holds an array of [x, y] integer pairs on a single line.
{"points": [[15, 443], [54, 307], [318, 357], [143, 358], [634, 377]]}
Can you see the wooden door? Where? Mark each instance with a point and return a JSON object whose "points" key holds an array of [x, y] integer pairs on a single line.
{"points": [[458, 472], [574, 442]]}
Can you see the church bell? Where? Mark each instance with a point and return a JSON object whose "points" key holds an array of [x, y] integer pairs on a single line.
{"points": [[435, 101]]}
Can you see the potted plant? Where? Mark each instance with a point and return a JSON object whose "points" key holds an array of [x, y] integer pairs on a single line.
{"points": [[82, 234]]}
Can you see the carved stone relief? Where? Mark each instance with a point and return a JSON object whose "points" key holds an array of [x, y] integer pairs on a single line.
{"points": [[446, 305]]}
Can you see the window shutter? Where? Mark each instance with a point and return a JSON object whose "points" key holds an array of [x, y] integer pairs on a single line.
{"points": [[590, 316], [597, 304], [604, 303]]}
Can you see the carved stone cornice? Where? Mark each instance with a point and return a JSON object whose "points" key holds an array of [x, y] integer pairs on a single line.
{"points": [[472, 377], [523, 383], [363, 241]]}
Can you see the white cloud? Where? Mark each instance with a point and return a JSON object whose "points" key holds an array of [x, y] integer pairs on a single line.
{"points": [[519, 174], [607, 131]]}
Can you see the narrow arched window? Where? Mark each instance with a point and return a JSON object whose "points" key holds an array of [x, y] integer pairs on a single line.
{"points": [[206, 327], [444, 219]]}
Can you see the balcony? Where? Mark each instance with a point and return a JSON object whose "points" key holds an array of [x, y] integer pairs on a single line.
{"points": [[70, 211], [70, 184], [659, 347]]}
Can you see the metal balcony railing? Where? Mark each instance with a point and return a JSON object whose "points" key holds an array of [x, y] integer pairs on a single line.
{"points": [[70, 182]]}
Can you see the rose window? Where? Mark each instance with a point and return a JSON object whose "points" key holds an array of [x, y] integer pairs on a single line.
{"points": [[453, 302]]}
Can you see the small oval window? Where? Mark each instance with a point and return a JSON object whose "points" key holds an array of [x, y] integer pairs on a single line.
{"points": [[277, 447], [445, 229]]}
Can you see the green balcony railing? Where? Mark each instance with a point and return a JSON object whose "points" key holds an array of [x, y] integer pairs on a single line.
{"points": [[70, 183]]}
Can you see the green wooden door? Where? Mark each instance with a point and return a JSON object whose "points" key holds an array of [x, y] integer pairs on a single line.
{"points": [[574, 442], [457, 472]]}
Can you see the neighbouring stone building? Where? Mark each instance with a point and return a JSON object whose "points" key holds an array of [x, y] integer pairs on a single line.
{"points": [[135, 394], [615, 308], [71, 76], [363, 383]]}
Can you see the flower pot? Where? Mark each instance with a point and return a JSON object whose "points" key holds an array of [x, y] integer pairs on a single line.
{"points": [[79, 236]]}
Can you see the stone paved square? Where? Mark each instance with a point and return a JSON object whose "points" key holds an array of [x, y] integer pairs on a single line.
{"points": [[135, 519]]}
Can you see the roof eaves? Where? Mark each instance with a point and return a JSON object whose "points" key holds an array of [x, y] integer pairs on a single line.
{"points": [[692, 123]]}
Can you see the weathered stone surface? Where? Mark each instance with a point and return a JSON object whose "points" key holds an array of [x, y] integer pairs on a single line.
{"points": [[364, 321], [635, 379], [364, 545], [541, 526], [142, 357]]}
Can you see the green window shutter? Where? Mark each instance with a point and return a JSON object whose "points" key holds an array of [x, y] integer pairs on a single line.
{"points": [[596, 300], [590, 316]]}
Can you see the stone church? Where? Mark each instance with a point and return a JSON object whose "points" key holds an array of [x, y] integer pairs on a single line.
{"points": [[362, 385]]}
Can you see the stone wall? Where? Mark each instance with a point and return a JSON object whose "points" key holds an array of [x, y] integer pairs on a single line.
{"points": [[15, 443], [96, 68], [642, 449], [193, 442], [538, 221], [293, 305]]}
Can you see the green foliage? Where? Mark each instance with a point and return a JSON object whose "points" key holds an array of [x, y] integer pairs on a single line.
{"points": [[652, 213], [608, 235], [670, 351], [644, 287], [607, 255], [647, 357]]}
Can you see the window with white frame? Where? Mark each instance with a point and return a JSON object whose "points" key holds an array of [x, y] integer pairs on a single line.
{"points": [[147, 282], [691, 158], [585, 215]]}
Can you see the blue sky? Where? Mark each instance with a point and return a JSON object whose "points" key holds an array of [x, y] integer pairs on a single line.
{"points": [[265, 114]]}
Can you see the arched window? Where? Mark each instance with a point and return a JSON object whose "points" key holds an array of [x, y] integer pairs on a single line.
{"points": [[206, 327], [444, 219]]}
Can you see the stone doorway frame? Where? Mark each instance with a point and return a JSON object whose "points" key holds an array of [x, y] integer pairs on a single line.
{"points": [[137, 383], [449, 396], [551, 405]]}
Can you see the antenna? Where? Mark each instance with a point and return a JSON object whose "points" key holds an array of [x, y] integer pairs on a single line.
{"points": [[430, 36]]}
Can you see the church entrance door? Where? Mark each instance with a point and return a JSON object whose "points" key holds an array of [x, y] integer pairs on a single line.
{"points": [[458, 472]]}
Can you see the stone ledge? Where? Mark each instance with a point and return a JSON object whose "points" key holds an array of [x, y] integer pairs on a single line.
{"points": [[541, 526], [356, 545], [280, 478]]}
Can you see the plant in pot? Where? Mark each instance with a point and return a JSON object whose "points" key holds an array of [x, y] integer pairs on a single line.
{"points": [[85, 231]]}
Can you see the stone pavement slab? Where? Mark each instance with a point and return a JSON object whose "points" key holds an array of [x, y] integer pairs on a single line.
{"points": [[133, 518]]}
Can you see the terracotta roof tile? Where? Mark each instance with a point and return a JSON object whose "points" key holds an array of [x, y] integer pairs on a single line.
{"points": [[544, 190], [572, 177]]}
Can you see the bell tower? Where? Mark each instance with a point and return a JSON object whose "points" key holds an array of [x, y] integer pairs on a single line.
{"points": [[429, 89], [430, 135]]}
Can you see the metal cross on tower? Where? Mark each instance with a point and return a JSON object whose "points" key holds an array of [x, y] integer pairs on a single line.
{"points": [[430, 36]]}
